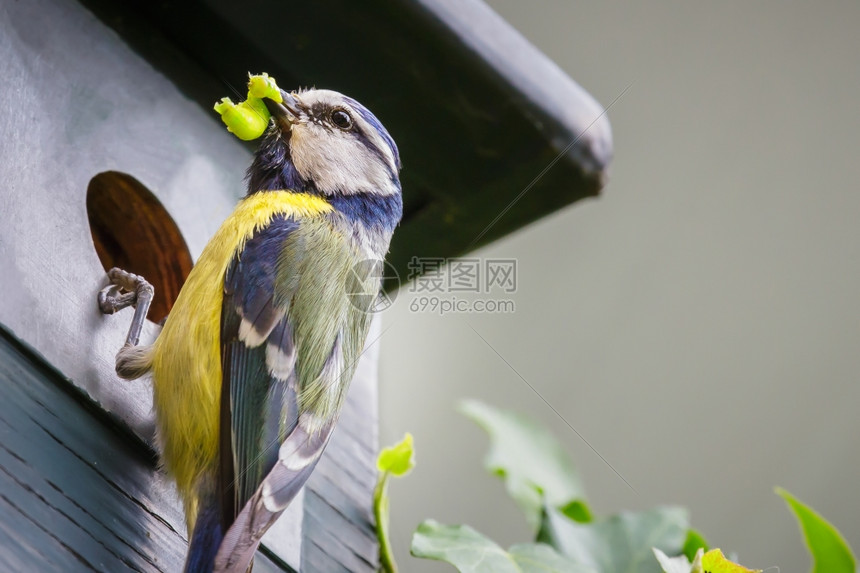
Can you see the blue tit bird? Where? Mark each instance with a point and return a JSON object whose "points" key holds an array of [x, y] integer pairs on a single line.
{"points": [[251, 368]]}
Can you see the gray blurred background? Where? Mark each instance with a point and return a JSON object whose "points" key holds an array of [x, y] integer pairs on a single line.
{"points": [[699, 323]]}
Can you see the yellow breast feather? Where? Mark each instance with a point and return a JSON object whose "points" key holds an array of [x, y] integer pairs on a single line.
{"points": [[187, 354]]}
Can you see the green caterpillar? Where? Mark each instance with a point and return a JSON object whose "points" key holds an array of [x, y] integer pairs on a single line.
{"points": [[248, 120]]}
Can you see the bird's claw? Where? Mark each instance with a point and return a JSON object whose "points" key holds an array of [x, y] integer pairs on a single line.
{"points": [[125, 289]]}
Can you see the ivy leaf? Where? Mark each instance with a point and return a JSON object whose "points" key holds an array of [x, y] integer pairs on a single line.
{"points": [[619, 544], [693, 543], [711, 562], [398, 459], [534, 466], [471, 552], [830, 552], [578, 511], [715, 562], [541, 558]]}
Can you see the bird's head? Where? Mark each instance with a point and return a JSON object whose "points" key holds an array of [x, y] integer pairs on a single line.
{"points": [[325, 142]]}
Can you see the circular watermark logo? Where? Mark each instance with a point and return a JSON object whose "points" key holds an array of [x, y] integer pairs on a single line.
{"points": [[364, 282]]}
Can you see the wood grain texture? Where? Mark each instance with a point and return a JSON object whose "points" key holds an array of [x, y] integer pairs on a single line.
{"points": [[76, 492], [85, 104]]}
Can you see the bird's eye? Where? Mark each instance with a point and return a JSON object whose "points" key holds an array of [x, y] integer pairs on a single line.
{"points": [[341, 119]]}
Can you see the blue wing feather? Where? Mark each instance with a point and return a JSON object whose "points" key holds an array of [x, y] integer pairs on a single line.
{"points": [[289, 336], [258, 407]]}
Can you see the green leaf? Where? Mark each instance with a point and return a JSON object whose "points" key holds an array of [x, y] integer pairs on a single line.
{"points": [[471, 552], [711, 562], [577, 511], [541, 558], [830, 552], [619, 544], [398, 459], [715, 562], [534, 466], [693, 543]]}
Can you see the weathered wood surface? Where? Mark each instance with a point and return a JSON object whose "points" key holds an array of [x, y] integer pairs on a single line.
{"points": [[78, 102], [76, 492]]}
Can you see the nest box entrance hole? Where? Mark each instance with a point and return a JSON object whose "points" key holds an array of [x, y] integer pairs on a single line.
{"points": [[133, 231]]}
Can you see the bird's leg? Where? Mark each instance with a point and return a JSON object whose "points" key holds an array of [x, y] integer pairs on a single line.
{"points": [[126, 289]]}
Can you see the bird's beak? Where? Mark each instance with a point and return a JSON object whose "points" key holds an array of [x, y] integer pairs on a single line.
{"points": [[287, 112]]}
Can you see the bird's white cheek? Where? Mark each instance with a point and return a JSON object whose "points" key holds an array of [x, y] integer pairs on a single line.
{"points": [[337, 162]]}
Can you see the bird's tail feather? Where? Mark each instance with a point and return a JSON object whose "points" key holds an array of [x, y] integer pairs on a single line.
{"points": [[205, 540], [297, 458]]}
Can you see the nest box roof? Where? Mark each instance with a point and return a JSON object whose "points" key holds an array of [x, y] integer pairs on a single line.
{"points": [[477, 111]]}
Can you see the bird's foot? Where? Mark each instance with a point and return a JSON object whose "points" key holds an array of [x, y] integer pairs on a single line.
{"points": [[127, 289]]}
